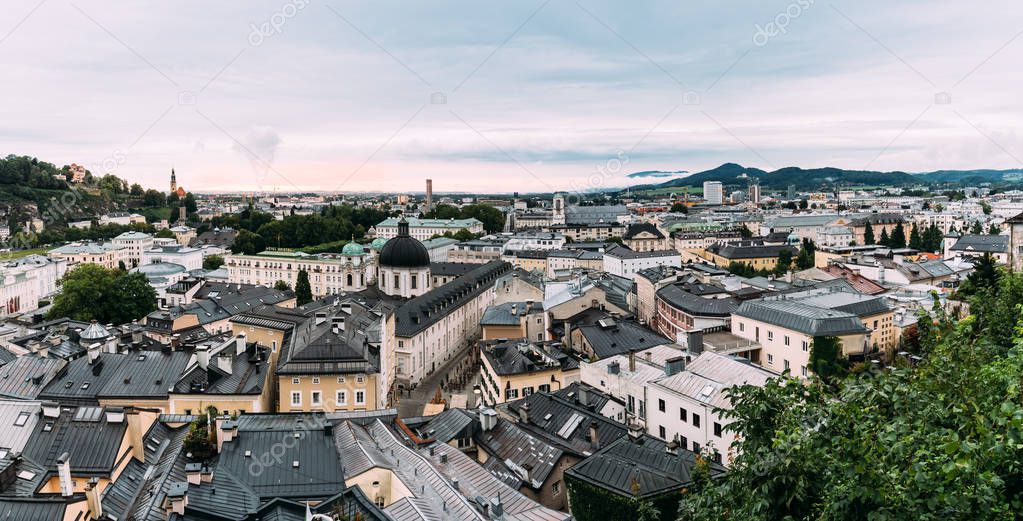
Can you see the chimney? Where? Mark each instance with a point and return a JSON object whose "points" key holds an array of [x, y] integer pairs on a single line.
{"points": [[674, 365], [594, 439], [67, 486], [175, 342], [114, 414], [51, 410], [583, 398], [92, 499], [192, 473], [227, 429], [496, 507], [136, 334], [93, 352], [568, 335], [177, 498], [346, 308], [206, 474], [135, 434], [694, 342], [240, 343], [202, 356], [524, 412], [671, 447], [632, 361], [635, 431], [225, 362], [488, 419]]}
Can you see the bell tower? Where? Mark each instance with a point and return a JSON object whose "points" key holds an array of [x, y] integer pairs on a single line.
{"points": [[174, 182]]}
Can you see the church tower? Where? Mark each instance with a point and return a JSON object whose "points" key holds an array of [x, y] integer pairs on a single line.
{"points": [[174, 182]]}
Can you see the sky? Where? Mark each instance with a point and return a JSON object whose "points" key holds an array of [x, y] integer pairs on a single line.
{"points": [[505, 96]]}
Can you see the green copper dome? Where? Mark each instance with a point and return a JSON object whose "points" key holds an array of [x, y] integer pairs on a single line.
{"points": [[352, 249], [378, 243]]}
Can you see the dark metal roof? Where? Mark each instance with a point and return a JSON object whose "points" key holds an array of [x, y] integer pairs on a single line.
{"points": [[290, 438], [645, 463], [565, 423], [678, 298], [618, 337], [807, 319], [982, 243], [638, 228], [749, 250], [26, 376], [31, 509], [84, 434], [427, 309]]}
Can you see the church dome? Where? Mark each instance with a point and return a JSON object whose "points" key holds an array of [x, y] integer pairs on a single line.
{"points": [[403, 251], [352, 249], [378, 243]]}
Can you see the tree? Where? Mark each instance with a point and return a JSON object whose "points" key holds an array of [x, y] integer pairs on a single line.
{"points": [[136, 190], [898, 237], [984, 275], [868, 234], [745, 232], [884, 240], [826, 360], [806, 258], [977, 228], [784, 262], [914, 238], [212, 262], [985, 207], [281, 285], [994, 229], [164, 234], [880, 444], [303, 293], [803, 204], [248, 243], [92, 292], [463, 235], [679, 208]]}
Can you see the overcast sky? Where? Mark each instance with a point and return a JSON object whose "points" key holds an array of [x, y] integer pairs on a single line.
{"points": [[486, 96]]}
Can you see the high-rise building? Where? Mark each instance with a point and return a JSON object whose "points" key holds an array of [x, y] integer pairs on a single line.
{"points": [[792, 192], [754, 193], [713, 192], [429, 194]]}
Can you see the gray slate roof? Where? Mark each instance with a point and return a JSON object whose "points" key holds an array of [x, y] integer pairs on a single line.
{"points": [[807, 319]]}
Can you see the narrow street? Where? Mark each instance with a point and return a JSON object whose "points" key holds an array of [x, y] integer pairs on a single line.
{"points": [[412, 404]]}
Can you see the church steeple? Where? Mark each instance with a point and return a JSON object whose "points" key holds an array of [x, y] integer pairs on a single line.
{"points": [[174, 182]]}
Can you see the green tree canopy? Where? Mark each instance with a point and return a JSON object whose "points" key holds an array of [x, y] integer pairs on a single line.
{"points": [[92, 292], [212, 262], [868, 234], [898, 237], [303, 293]]}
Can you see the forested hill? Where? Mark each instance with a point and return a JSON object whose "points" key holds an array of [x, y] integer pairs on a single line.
{"points": [[30, 188], [829, 178]]}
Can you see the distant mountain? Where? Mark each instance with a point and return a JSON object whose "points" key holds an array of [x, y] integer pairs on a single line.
{"points": [[829, 178], [972, 176], [656, 173]]}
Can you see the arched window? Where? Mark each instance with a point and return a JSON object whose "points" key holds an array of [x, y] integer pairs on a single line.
{"points": [[349, 279]]}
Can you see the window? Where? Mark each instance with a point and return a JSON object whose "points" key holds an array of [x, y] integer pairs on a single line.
{"points": [[22, 419], [786, 340], [770, 335], [415, 280], [717, 457], [682, 414], [770, 358], [317, 398], [717, 429], [511, 394], [360, 397], [295, 381], [786, 365], [696, 420], [556, 488], [526, 391], [806, 347], [660, 406], [396, 279], [341, 398], [296, 398], [316, 379], [660, 432], [683, 441], [742, 327], [360, 379], [544, 388], [803, 370], [340, 379]]}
